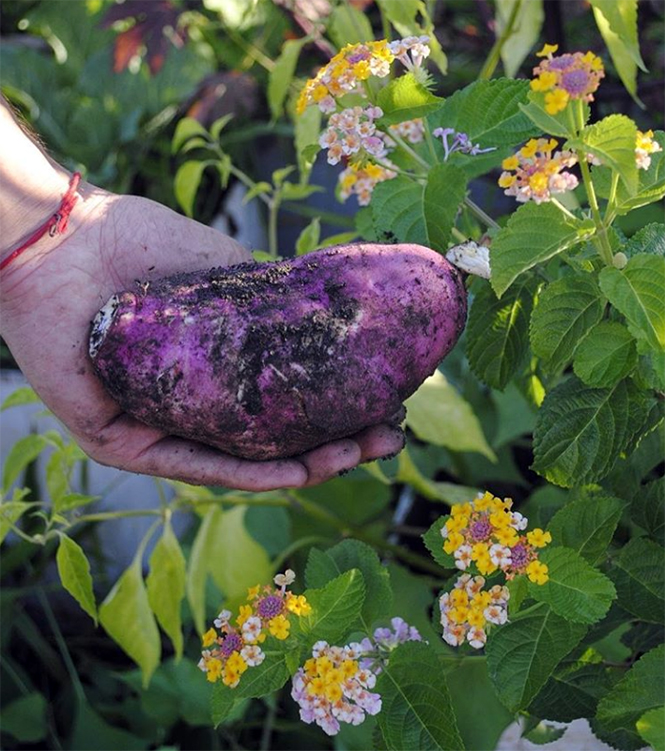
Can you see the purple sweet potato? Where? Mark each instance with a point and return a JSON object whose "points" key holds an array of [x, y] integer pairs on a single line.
{"points": [[269, 360]]}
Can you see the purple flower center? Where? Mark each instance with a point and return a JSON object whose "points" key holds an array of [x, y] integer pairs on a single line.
{"points": [[232, 643], [519, 556], [356, 57], [561, 63], [270, 606], [481, 529], [576, 82]]}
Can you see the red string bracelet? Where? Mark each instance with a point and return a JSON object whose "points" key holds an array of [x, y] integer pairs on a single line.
{"points": [[56, 225]]}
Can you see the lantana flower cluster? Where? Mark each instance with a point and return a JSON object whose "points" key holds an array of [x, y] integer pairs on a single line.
{"points": [[335, 684], [487, 534], [351, 135], [536, 173], [230, 649], [566, 77], [469, 611]]}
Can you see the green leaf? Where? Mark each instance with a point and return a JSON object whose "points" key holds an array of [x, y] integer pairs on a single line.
{"points": [[416, 711], [22, 453], [335, 608], [71, 501], [617, 23], [526, 31], [572, 692], [647, 509], [567, 310], [438, 414], [186, 183], [555, 125], [25, 718], [166, 586], [606, 355], [522, 654], [637, 292], [640, 690], [448, 492], [651, 182], [308, 239], [497, 332], [265, 678], [649, 239], [220, 123], [651, 726], [397, 212], [612, 140], [236, 561], [199, 562], [581, 432], [587, 526], [281, 76], [575, 590], [400, 12], [639, 577], [488, 112], [353, 554], [74, 572], [307, 127], [404, 98], [22, 395], [12, 511], [128, 619], [444, 192], [534, 234], [348, 25], [187, 128], [434, 543]]}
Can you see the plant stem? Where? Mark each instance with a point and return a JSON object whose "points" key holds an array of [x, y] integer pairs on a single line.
{"points": [[107, 515], [494, 56], [249, 183], [430, 142], [405, 147], [480, 214], [459, 235], [609, 211], [294, 547], [562, 208]]}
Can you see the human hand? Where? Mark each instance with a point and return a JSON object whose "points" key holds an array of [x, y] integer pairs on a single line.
{"points": [[49, 299]]}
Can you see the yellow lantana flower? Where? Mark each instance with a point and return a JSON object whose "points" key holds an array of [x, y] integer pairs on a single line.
{"points": [[556, 101], [279, 627], [537, 572], [538, 538], [210, 637]]}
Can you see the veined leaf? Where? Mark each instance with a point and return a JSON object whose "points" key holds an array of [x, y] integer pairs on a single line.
{"points": [[580, 432], [199, 563], [345, 556], [639, 577], [488, 112], [651, 726], [335, 608], [348, 25], [438, 414], [404, 98], [648, 509], [397, 211], [637, 292], [497, 332], [612, 140], [128, 619], [12, 511], [444, 192], [434, 543], [641, 689], [74, 571], [308, 239], [575, 590], [416, 711], [187, 127], [22, 453], [650, 239], [166, 585], [555, 125], [23, 395], [534, 234], [650, 183], [606, 355], [186, 183], [522, 654], [587, 525]]}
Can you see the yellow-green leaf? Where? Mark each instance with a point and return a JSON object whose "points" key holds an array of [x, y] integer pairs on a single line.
{"points": [[74, 571]]}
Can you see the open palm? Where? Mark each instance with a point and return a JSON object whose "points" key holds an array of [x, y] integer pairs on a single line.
{"points": [[49, 301]]}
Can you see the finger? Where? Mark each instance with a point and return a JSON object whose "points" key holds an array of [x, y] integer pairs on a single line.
{"points": [[329, 460], [380, 442], [191, 462], [129, 445]]}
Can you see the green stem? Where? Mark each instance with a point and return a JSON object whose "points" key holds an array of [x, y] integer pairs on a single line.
{"points": [[407, 149], [459, 235], [562, 208], [494, 56], [397, 170], [294, 547], [609, 211], [249, 183], [480, 214], [430, 142], [107, 515]]}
